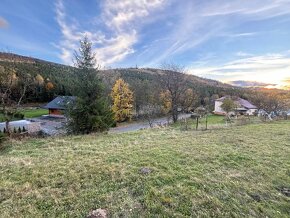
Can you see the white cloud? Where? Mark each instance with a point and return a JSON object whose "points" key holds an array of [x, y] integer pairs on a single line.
{"points": [[121, 21], [269, 68], [243, 54], [192, 23]]}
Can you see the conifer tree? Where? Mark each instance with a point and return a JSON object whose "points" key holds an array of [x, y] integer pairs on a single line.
{"points": [[122, 101], [90, 111]]}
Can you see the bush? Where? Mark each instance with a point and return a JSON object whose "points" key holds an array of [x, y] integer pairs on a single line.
{"points": [[18, 115], [2, 137]]}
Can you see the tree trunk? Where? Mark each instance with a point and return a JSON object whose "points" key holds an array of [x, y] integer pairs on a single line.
{"points": [[205, 122], [22, 96], [7, 127], [197, 120], [174, 115]]}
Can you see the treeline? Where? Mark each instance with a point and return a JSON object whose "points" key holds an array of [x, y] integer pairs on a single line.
{"points": [[41, 81], [46, 80]]}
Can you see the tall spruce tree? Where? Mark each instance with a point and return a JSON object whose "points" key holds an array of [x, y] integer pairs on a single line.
{"points": [[90, 112]]}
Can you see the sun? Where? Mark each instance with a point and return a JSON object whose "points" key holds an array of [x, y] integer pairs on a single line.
{"points": [[284, 84]]}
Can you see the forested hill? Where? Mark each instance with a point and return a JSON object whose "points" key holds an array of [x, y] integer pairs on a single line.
{"points": [[56, 78]]}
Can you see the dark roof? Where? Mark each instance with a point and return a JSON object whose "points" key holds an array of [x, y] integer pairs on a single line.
{"points": [[60, 102], [246, 104]]}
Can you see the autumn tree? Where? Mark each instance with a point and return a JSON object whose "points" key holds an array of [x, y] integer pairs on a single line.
{"points": [[122, 98], [188, 100], [271, 101], [90, 112], [11, 80], [228, 105], [165, 98], [7, 81], [174, 82]]}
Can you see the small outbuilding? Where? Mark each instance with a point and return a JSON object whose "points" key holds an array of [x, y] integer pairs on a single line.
{"points": [[58, 105], [243, 106]]}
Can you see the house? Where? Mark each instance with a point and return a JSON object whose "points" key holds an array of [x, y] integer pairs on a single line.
{"points": [[243, 106], [58, 105]]}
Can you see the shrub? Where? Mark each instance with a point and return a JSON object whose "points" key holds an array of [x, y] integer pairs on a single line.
{"points": [[19, 115], [2, 137]]}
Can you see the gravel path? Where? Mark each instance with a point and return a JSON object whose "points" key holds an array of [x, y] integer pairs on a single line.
{"points": [[143, 125], [54, 126]]}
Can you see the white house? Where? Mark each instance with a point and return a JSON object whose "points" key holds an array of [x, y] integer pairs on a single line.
{"points": [[243, 106]]}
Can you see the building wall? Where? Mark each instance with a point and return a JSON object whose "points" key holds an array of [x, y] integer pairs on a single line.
{"points": [[251, 111], [217, 108], [55, 112], [219, 111]]}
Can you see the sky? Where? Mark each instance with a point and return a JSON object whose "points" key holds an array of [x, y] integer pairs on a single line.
{"points": [[218, 39]]}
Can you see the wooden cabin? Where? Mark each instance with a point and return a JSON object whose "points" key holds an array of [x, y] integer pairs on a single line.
{"points": [[58, 105]]}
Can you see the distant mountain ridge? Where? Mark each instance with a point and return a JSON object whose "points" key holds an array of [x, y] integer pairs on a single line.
{"points": [[20, 59], [11, 57]]}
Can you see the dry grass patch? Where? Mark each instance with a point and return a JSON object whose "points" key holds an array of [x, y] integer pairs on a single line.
{"points": [[236, 172]]}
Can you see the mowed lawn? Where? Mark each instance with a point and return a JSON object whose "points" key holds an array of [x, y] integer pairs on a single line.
{"points": [[234, 172], [32, 113], [29, 113]]}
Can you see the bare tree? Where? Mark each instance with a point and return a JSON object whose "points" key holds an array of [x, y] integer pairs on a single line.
{"points": [[7, 82], [25, 82], [228, 105], [11, 80], [270, 103], [151, 111], [173, 80]]}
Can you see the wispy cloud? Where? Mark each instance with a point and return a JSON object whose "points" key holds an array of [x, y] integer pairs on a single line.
{"points": [[235, 35], [116, 41], [258, 9], [243, 54], [197, 23], [3, 23], [270, 68], [183, 26]]}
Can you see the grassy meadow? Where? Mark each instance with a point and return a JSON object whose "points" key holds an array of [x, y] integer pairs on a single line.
{"points": [[32, 113], [231, 172], [29, 113]]}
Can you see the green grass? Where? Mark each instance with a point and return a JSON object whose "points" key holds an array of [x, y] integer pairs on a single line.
{"points": [[30, 113], [233, 172], [214, 122]]}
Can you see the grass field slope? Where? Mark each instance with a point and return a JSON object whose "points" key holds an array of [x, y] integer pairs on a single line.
{"points": [[240, 171]]}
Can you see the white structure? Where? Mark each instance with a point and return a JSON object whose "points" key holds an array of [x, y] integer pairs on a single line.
{"points": [[243, 106], [30, 127]]}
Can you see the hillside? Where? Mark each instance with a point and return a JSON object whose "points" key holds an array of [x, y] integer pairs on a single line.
{"points": [[8, 58], [58, 80], [150, 173]]}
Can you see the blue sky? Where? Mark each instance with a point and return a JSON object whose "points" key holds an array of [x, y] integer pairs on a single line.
{"points": [[218, 39]]}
